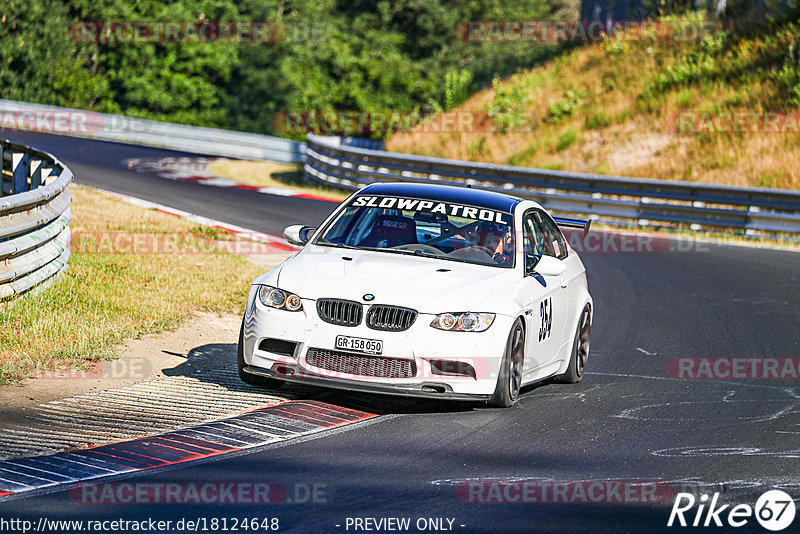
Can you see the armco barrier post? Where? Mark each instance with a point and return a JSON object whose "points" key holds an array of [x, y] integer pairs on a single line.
{"points": [[34, 218]]}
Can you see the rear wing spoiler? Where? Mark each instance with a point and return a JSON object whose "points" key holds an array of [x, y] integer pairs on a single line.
{"points": [[566, 222]]}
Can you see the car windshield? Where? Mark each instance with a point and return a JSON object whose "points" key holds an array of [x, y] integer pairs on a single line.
{"points": [[455, 232]]}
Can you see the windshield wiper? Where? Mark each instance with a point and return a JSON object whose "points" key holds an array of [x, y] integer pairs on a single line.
{"points": [[392, 250], [428, 254], [420, 253], [337, 245]]}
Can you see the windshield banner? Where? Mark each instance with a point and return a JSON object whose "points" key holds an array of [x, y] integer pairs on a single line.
{"points": [[431, 206]]}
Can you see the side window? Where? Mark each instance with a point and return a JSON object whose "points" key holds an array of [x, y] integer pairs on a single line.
{"points": [[534, 239], [554, 237], [542, 236]]}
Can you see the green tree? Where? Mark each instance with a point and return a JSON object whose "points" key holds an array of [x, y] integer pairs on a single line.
{"points": [[40, 63], [178, 81]]}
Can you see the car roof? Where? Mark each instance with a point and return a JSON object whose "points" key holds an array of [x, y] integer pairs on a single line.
{"points": [[445, 193]]}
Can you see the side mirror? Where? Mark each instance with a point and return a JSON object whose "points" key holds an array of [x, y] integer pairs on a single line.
{"points": [[548, 266], [297, 234]]}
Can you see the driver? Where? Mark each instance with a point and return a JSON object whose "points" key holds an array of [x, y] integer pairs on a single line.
{"points": [[496, 238]]}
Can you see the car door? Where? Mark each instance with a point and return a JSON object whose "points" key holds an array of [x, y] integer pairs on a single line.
{"points": [[547, 313]]}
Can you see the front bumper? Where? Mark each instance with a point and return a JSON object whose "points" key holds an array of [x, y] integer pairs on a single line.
{"points": [[483, 351], [427, 390]]}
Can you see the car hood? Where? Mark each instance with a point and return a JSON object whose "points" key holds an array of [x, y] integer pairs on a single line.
{"points": [[425, 284]]}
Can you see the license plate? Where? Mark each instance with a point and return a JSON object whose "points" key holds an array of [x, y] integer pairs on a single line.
{"points": [[359, 344]]}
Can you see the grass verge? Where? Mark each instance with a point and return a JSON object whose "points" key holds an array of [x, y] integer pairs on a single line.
{"points": [[268, 174], [660, 107], [132, 272]]}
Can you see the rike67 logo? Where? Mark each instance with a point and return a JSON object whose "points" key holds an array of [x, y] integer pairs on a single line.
{"points": [[774, 510]]}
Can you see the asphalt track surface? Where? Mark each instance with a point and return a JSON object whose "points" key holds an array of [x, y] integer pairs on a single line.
{"points": [[101, 164], [628, 420]]}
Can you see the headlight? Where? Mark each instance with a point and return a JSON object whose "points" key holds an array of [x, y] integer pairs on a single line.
{"points": [[277, 298], [463, 322]]}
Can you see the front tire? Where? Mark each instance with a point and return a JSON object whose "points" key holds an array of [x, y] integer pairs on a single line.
{"points": [[580, 350], [248, 378], [509, 380]]}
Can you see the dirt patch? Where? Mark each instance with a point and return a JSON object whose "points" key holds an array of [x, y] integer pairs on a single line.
{"points": [[638, 151], [142, 359], [152, 356]]}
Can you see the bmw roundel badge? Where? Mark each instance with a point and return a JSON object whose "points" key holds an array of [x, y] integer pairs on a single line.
{"points": [[369, 297]]}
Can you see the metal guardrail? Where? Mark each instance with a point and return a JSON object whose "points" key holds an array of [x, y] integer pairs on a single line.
{"points": [[121, 129], [608, 198], [34, 218]]}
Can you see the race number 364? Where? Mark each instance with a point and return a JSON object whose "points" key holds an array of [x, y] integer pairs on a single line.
{"points": [[546, 315]]}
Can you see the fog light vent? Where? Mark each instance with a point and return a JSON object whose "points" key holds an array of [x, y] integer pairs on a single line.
{"points": [[452, 368], [277, 346]]}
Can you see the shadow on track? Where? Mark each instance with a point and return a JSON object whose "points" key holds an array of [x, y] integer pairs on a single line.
{"points": [[212, 363]]}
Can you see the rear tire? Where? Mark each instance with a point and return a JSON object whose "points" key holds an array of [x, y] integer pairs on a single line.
{"points": [[509, 380], [580, 350], [248, 378]]}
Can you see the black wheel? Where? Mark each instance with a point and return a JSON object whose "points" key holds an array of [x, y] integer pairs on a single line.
{"points": [[509, 380], [248, 378], [580, 350]]}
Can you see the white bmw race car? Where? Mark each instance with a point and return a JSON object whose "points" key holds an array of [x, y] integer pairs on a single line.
{"points": [[424, 290]]}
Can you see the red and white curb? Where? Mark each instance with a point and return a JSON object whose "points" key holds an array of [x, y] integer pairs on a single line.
{"points": [[272, 241], [263, 426], [195, 170]]}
